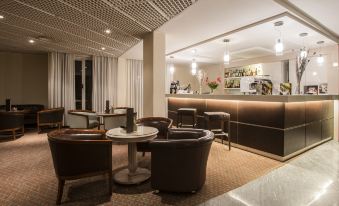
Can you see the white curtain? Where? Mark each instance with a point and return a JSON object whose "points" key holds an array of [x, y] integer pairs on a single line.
{"points": [[134, 85], [104, 82], [61, 81]]}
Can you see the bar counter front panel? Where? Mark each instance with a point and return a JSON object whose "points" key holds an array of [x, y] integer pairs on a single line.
{"points": [[279, 130]]}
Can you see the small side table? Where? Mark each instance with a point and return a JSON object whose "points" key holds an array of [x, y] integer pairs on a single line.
{"points": [[133, 174]]}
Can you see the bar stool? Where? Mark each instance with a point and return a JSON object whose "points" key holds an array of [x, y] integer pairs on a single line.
{"points": [[189, 112], [221, 117]]}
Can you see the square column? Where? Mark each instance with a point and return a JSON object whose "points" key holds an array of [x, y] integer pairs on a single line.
{"points": [[154, 103]]}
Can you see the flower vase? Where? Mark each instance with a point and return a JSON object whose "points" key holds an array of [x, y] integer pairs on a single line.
{"points": [[212, 91]]}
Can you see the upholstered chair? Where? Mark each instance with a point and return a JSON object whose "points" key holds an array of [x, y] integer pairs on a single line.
{"points": [[12, 122], [82, 119], [80, 153], [116, 119], [161, 123], [179, 163], [50, 117]]}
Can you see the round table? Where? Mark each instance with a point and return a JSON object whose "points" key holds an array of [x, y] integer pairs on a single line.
{"points": [[133, 174]]}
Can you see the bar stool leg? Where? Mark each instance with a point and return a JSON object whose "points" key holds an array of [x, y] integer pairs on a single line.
{"points": [[229, 134], [223, 131]]}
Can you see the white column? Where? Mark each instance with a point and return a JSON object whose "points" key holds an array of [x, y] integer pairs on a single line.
{"points": [[154, 74]]}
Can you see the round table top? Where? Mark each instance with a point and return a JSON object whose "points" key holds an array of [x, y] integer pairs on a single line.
{"points": [[141, 134]]}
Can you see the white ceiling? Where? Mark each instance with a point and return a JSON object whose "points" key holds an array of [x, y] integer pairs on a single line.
{"points": [[209, 18], [257, 41]]}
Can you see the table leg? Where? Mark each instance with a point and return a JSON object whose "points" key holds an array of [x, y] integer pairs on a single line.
{"points": [[133, 174]]}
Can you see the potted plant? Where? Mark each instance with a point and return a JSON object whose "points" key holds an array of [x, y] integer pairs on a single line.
{"points": [[213, 84]]}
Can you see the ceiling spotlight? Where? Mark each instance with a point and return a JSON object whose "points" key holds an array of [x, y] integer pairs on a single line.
{"points": [[335, 64], [194, 51], [103, 48], [314, 73], [32, 41], [108, 31], [2, 17]]}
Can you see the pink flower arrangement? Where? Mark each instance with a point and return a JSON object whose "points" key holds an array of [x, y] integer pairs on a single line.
{"points": [[213, 84]]}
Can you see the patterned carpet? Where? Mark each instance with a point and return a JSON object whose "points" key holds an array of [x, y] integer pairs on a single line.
{"points": [[27, 177]]}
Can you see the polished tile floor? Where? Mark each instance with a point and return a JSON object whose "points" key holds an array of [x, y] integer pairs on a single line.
{"points": [[309, 179]]}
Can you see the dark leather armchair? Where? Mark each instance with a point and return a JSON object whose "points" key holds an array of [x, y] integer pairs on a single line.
{"points": [[11, 122], [53, 116], [179, 163], [80, 153], [161, 123]]}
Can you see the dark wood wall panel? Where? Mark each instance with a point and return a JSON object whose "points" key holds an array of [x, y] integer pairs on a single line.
{"points": [[269, 114], [313, 133], [327, 128], [328, 109], [273, 127], [294, 140], [294, 114], [260, 138], [223, 106], [313, 111]]}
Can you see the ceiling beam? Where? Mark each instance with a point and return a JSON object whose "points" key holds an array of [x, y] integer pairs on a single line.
{"points": [[126, 15], [150, 2], [307, 18]]}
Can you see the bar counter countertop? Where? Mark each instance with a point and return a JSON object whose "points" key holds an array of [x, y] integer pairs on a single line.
{"points": [[275, 126], [263, 98]]}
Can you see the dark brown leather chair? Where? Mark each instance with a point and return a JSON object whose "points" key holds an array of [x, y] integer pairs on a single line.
{"points": [[161, 123], [11, 122], [50, 117], [80, 153], [179, 163]]}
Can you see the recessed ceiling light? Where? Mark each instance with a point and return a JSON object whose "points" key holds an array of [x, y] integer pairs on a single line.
{"points": [[108, 31], [194, 51], [103, 48], [31, 41], [314, 73], [335, 64], [2, 17]]}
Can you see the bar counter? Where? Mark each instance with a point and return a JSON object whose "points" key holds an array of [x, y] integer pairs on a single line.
{"points": [[279, 127]]}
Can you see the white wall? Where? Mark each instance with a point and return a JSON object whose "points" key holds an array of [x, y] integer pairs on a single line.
{"points": [[185, 77], [24, 78]]}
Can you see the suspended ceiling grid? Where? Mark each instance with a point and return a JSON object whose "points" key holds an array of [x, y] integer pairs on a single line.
{"points": [[77, 26]]}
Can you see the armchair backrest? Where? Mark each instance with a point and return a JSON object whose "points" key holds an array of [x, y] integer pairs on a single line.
{"points": [[80, 119], [54, 115], [80, 152], [11, 120], [161, 123], [179, 163]]}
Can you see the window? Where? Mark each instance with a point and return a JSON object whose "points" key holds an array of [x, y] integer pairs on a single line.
{"points": [[83, 84]]}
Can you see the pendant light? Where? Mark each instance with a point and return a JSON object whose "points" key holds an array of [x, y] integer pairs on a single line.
{"points": [[303, 52], [194, 67], [279, 46], [227, 57], [320, 58], [172, 69]]}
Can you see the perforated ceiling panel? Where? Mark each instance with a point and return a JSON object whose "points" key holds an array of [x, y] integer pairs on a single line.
{"points": [[77, 26]]}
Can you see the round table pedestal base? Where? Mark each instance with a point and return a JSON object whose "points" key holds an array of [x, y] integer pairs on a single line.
{"points": [[125, 178]]}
